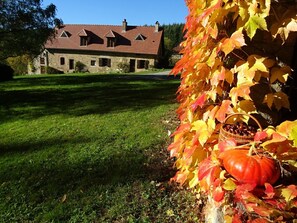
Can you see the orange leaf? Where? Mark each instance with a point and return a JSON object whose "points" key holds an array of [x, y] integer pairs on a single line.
{"points": [[278, 74], [236, 41], [240, 91], [218, 194], [223, 110]]}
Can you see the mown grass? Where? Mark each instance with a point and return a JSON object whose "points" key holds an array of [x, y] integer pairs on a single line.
{"points": [[89, 148]]}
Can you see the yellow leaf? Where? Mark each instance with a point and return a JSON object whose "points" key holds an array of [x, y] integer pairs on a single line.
{"points": [[201, 129], [292, 25], [259, 64], [286, 127], [228, 219], [270, 130], [229, 185], [288, 193], [194, 181]]}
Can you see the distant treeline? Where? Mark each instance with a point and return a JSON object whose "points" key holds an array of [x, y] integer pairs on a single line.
{"points": [[173, 34]]}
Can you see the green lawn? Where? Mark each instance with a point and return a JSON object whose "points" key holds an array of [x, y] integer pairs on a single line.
{"points": [[89, 148]]}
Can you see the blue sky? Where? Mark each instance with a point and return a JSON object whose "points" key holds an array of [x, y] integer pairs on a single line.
{"points": [[112, 12]]}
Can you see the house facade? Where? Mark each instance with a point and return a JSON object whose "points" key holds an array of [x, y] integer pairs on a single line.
{"points": [[101, 48]]}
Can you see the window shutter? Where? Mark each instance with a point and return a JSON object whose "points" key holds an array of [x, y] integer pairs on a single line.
{"points": [[109, 62]]}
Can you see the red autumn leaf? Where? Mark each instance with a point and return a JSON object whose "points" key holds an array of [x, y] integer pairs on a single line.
{"points": [[269, 191], [227, 144], [199, 102], [259, 136], [259, 220], [243, 191], [218, 194], [277, 203], [208, 172]]}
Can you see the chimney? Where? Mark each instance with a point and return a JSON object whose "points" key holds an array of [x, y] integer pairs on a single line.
{"points": [[157, 25], [124, 26]]}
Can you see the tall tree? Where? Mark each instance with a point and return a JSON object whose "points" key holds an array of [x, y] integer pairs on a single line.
{"points": [[25, 26]]}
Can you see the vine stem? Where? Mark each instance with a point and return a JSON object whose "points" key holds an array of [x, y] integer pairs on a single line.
{"points": [[275, 14]]}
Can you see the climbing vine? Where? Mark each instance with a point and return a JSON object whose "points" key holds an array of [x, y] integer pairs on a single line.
{"points": [[225, 70]]}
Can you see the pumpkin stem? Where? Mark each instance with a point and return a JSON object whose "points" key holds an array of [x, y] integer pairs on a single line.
{"points": [[251, 150]]}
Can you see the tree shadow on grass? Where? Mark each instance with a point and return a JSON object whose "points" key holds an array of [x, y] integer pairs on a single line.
{"points": [[81, 95], [48, 179]]}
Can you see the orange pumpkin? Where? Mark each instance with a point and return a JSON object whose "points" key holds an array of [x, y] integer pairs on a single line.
{"points": [[251, 169]]}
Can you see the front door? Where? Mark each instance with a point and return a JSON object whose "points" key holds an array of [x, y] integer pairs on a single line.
{"points": [[71, 64], [132, 65]]}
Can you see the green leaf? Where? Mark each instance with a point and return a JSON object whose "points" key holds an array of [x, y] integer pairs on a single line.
{"points": [[293, 135], [254, 23]]}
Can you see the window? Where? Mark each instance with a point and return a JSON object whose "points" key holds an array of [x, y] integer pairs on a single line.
{"points": [[83, 40], [62, 60], [93, 63], [142, 64], [111, 42], [42, 60], [105, 62]]}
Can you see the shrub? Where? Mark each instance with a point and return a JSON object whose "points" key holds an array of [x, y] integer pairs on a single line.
{"points": [[124, 67], [80, 67], [6, 72], [19, 64], [51, 70]]}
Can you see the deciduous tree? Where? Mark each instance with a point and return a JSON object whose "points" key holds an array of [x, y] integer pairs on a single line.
{"points": [[25, 25]]}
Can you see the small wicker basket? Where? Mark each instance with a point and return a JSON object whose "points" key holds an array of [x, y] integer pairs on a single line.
{"points": [[241, 140]]}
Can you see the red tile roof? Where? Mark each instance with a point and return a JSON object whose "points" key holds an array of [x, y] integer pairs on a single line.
{"points": [[126, 42]]}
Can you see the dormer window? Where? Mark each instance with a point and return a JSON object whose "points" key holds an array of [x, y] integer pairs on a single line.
{"points": [[65, 34], [111, 38], [84, 37], [83, 41], [140, 37], [111, 42]]}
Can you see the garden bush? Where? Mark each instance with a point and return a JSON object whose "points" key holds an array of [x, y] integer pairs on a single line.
{"points": [[19, 64], [52, 70], [80, 67], [124, 67]]}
